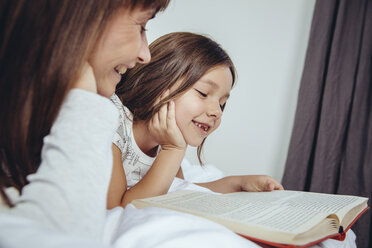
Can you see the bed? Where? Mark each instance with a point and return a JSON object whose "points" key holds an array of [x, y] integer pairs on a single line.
{"points": [[149, 227]]}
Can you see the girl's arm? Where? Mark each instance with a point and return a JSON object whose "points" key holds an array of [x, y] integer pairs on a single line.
{"points": [[180, 173], [167, 164], [159, 177], [118, 183], [251, 183], [156, 182]]}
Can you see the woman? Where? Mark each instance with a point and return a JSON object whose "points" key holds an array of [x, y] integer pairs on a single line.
{"points": [[47, 49]]}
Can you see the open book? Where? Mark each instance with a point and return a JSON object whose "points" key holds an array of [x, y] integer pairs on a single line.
{"points": [[279, 218]]}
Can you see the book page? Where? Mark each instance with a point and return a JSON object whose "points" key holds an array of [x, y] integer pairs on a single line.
{"points": [[327, 203], [284, 211]]}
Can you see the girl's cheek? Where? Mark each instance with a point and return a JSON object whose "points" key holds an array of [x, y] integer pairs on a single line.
{"points": [[217, 124]]}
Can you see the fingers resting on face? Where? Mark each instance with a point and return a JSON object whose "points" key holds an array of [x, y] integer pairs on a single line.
{"points": [[163, 126], [162, 114]]}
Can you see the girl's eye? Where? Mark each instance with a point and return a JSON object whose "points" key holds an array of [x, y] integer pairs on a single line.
{"points": [[201, 93]]}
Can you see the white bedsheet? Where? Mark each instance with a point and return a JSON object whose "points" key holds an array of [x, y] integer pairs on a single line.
{"points": [[154, 227]]}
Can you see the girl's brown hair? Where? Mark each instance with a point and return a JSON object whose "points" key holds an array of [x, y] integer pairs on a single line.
{"points": [[43, 46], [176, 56]]}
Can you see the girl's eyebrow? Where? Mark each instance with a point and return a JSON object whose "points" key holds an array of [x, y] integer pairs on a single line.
{"points": [[214, 85]]}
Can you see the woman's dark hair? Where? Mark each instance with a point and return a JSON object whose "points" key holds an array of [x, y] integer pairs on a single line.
{"points": [[43, 46], [176, 56]]}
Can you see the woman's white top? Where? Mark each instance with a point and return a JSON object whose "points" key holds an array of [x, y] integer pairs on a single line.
{"points": [[69, 190]]}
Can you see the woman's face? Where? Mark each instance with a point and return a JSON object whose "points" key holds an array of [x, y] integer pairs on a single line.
{"points": [[121, 46]]}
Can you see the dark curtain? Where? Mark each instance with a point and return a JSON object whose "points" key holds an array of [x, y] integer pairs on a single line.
{"points": [[331, 144]]}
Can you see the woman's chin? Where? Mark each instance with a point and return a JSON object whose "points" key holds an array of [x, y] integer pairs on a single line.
{"points": [[106, 91]]}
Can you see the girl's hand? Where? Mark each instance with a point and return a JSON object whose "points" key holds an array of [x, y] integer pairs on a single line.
{"points": [[164, 128], [251, 183], [86, 80], [258, 183]]}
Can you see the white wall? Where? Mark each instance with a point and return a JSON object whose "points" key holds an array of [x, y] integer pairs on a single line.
{"points": [[267, 41]]}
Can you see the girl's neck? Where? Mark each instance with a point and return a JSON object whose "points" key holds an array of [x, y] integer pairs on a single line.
{"points": [[144, 140]]}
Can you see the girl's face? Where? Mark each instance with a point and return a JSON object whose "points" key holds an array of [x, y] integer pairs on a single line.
{"points": [[199, 109], [122, 45]]}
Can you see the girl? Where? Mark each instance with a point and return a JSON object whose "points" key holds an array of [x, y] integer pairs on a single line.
{"points": [[174, 101]]}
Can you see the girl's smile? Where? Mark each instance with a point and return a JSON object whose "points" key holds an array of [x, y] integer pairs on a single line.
{"points": [[204, 127]]}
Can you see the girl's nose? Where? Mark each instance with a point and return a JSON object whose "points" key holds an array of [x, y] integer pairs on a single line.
{"points": [[215, 110]]}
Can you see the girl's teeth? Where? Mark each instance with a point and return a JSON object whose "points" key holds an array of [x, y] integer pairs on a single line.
{"points": [[204, 128]]}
